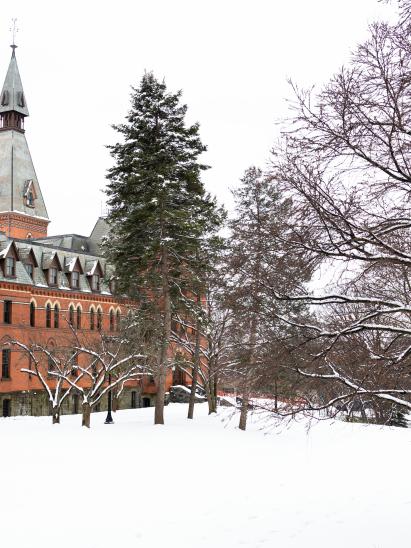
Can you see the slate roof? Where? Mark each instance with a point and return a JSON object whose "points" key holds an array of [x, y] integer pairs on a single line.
{"points": [[45, 253], [17, 173], [12, 95]]}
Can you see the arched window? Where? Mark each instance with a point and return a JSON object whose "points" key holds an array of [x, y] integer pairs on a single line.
{"points": [[118, 320], [71, 315], [50, 364], [111, 320], [78, 317], [92, 318], [50, 361], [99, 319], [32, 314], [56, 316], [48, 315]]}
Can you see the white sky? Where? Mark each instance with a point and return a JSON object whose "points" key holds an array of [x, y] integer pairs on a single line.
{"points": [[231, 58]]}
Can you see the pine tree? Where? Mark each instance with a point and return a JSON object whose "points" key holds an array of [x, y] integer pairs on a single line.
{"points": [[259, 260], [399, 419], [160, 211]]}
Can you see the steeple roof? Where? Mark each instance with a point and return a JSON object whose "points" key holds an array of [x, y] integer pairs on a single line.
{"points": [[12, 95], [22, 208]]}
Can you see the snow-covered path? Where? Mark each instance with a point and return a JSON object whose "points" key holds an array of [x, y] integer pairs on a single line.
{"points": [[127, 485]]}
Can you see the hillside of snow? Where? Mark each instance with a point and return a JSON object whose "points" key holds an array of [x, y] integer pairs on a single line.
{"points": [[202, 483]]}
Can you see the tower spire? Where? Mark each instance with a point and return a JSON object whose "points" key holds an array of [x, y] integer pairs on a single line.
{"points": [[23, 212], [13, 106]]}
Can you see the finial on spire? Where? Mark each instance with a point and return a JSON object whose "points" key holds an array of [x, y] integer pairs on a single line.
{"points": [[14, 30]]}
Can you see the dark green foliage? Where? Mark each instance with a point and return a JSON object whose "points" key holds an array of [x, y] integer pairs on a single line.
{"points": [[398, 419], [161, 218], [156, 197]]}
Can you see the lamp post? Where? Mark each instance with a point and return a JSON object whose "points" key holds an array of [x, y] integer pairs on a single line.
{"points": [[109, 418]]}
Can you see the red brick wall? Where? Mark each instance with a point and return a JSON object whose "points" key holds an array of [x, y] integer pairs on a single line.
{"points": [[15, 225]]}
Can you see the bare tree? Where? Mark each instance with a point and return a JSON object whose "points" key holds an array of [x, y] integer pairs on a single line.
{"points": [[90, 366], [50, 365], [346, 162], [109, 363], [209, 347]]}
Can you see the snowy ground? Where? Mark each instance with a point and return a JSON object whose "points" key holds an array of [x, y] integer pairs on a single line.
{"points": [[128, 485]]}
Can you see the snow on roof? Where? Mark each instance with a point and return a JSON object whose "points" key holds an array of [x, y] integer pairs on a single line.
{"points": [[5, 251], [71, 264], [181, 387]]}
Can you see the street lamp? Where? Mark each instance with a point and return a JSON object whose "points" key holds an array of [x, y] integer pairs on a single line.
{"points": [[109, 418]]}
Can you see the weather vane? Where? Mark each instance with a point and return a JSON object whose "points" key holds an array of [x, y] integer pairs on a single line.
{"points": [[14, 30]]}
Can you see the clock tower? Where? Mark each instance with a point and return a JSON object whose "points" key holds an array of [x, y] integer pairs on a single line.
{"points": [[23, 213]]}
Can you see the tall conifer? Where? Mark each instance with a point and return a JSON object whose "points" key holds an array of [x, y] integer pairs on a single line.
{"points": [[160, 213], [260, 259]]}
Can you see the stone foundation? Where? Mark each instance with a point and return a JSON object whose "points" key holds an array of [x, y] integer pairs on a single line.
{"points": [[35, 403]]}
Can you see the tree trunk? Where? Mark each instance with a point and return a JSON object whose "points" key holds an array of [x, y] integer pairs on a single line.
{"points": [[162, 368], [211, 399], [275, 395], [213, 392], [244, 407], [196, 366], [86, 415], [56, 415], [247, 376]]}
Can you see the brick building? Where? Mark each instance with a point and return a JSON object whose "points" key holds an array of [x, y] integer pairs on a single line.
{"points": [[45, 279]]}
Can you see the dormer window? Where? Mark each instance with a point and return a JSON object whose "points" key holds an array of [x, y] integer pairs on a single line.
{"points": [[30, 199], [94, 273], [73, 269], [8, 258], [10, 267], [75, 279], [20, 99], [28, 259], [53, 273], [29, 193], [5, 98], [51, 266], [95, 282], [29, 269]]}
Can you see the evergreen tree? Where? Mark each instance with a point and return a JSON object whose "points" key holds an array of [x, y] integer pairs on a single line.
{"points": [[259, 259], [160, 213], [399, 419]]}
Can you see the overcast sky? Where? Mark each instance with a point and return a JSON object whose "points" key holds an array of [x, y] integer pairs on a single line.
{"points": [[231, 58]]}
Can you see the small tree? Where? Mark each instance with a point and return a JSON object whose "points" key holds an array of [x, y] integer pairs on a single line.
{"points": [[89, 366], [103, 366], [50, 366]]}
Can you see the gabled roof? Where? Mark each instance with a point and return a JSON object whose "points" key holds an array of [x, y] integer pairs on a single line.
{"points": [[70, 264], [12, 95], [92, 266], [44, 256], [49, 258], [27, 255], [8, 248]]}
